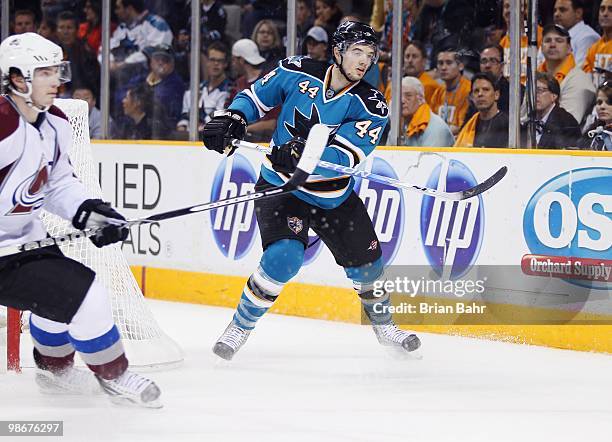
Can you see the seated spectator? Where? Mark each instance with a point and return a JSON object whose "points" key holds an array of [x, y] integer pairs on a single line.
{"points": [[24, 21], [304, 19], [599, 135], [489, 126], [95, 116], [182, 53], [137, 30], [256, 10], [568, 14], [317, 45], [600, 54], [505, 41], [214, 91], [83, 64], [327, 15], [48, 29], [91, 30], [451, 102], [137, 122], [247, 68], [577, 91], [268, 41], [555, 127], [213, 20], [415, 61], [420, 126]]}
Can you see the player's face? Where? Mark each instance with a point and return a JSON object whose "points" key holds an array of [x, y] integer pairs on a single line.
{"points": [[410, 102], [414, 62], [24, 23], [484, 95], [45, 84], [605, 14], [66, 31], [490, 61], [603, 107], [357, 60], [448, 66], [555, 47], [565, 15], [215, 64], [544, 97]]}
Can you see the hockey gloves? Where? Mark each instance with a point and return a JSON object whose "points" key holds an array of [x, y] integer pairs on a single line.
{"points": [[285, 157], [96, 213], [222, 128]]}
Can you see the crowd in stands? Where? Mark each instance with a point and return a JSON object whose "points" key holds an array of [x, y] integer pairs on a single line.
{"points": [[455, 87]]}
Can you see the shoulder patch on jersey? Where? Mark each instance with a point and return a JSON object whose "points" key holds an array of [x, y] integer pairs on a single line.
{"points": [[54, 110], [373, 99], [9, 118], [302, 64]]}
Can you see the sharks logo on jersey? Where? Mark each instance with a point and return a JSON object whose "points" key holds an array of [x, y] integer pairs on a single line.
{"points": [[380, 104]]}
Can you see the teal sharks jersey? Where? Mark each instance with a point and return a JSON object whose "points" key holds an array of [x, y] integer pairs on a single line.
{"points": [[356, 115]]}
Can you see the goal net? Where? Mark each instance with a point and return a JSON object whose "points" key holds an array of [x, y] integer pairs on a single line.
{"points": [[146, 344]]}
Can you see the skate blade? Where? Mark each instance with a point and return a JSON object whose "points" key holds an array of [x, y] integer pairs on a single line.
{"points": [[122, 401], [224, 351]]}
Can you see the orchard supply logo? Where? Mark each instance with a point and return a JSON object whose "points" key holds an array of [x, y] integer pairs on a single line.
{"points": [[568, 228], [385, 205], [452, 231], [234, 226]]}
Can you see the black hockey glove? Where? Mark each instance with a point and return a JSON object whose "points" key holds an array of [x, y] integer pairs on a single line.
{"points": [[96, 213], [222, 128], [285, 157]]}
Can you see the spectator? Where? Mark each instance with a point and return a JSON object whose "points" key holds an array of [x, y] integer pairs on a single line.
{"points": [[555, 127], [489, 126], [247, 67], [214, 91], [415, 60], [91, 30], [256, 10], [451, 102], [51, 8], [137, 30], [505, 41], [327, 15], [213, 21], [137, 123], [409, 11], [577, 91], [24, 21], [600, 54], [182, 53], [268, 41], [599, 135], [316, 44], [83, 64], [569, 15], [421, 127], [48, 29], [304, 20], [95, 116]]}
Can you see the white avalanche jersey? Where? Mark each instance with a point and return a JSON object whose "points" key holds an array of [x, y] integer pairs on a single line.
{"points": [[35, 173]]}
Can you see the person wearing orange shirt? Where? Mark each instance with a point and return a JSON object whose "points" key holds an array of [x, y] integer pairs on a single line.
{"points": [[451, 102], [599, 56]]}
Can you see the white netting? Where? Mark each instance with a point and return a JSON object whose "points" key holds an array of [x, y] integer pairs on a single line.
{"points": [[146, 344]]}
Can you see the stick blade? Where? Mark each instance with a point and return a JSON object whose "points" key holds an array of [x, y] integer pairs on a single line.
{"points": [[485, 185], [315, 144]]}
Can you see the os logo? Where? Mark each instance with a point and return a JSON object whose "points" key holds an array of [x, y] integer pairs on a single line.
{"points": [[385, 205], [571, 216], [234, 226], [452, 230]]}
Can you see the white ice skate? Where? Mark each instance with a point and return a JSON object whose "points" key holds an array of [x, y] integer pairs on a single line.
{"points": [[391, 335], [69, 381], [230, 341], [132, 389]]}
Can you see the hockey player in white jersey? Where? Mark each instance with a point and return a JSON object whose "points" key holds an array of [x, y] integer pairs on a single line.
{"points": [[70, 309]]}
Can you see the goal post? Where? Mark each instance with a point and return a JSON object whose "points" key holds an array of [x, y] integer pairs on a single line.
{"points": [[145, 342]]}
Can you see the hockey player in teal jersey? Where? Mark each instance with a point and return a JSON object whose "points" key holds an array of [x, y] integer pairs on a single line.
{"points": [[357, 113]]}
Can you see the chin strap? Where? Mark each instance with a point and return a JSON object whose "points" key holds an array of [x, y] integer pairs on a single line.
{"points": [[27, 96]]}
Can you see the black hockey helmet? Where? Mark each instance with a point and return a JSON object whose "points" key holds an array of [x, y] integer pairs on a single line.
{"points": [[351, 32]]}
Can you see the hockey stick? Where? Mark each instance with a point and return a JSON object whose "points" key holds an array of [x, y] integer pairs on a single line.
{"points": [[308, 162], [345, 170]]}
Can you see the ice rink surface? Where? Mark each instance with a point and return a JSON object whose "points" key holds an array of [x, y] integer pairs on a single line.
{"points": [[308, 380]]}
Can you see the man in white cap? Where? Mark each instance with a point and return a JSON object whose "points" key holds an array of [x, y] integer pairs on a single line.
{"points": [[247, 68], [316, 44]]}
